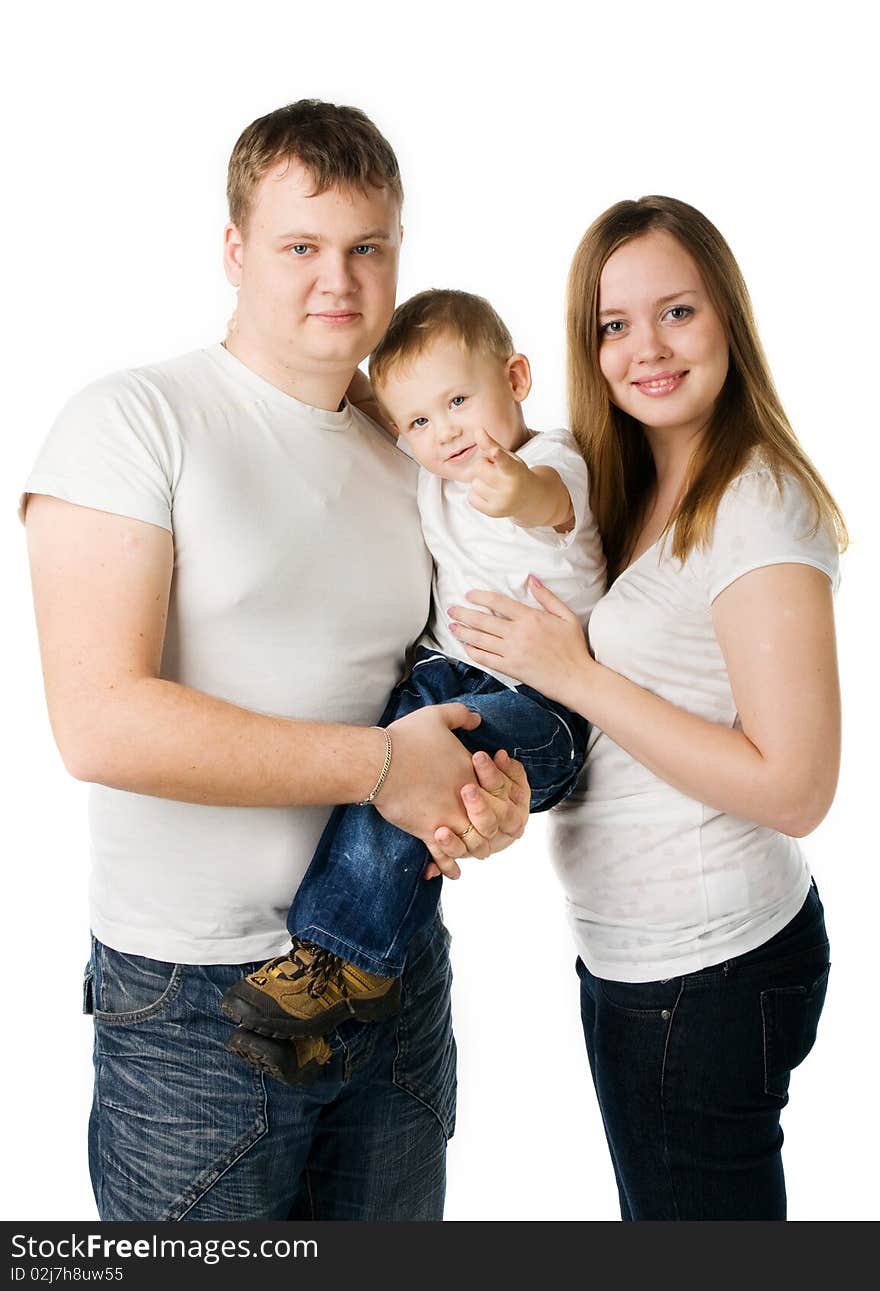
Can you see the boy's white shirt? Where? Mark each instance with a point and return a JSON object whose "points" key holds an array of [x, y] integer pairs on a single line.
{"points": [[473, 551]]}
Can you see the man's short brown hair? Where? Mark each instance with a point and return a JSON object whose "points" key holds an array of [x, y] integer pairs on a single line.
{"points": [[339, 146], [419, 321]]}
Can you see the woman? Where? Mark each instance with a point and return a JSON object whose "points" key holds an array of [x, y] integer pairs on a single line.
{"points": [[714, 696]]}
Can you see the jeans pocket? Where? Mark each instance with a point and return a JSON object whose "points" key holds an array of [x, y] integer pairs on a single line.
{"points": [[649, 999], [88, 992], [790, 1016], [128, 989], [558, 750], [425, 1063]]}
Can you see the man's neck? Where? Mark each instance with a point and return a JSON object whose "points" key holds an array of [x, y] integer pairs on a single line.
{"points": [[318, 389]]}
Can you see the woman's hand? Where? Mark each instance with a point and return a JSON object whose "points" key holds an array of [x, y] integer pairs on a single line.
{"points": [[544, 648], [497, 810]]}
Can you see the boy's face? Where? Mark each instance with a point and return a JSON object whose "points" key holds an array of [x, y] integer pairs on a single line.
{"points": [[440, 399]]}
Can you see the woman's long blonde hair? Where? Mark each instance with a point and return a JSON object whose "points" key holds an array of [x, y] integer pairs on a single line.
{"points": [[748, 413]]}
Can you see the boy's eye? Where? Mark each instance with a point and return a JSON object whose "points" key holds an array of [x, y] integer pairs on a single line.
{"points": [[457, 400], [418, 423]]}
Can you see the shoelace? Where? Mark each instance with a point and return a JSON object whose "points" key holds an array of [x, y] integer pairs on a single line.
{"points": [[323, 967], [326, 967]]}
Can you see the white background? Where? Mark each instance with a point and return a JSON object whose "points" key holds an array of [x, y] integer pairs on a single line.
{"points": [[515, 125]]}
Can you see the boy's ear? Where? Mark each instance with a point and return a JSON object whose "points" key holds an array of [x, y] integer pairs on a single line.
{"points": [[519, 375]]}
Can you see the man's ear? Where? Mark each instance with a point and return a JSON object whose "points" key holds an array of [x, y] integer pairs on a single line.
{"points": [[233, 254], [519, 375]]}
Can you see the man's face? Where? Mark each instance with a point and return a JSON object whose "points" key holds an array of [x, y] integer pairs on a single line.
{"points": [[317, 274]]}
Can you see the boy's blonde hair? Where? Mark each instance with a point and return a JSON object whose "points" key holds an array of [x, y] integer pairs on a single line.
{"points": [[419, 321]]}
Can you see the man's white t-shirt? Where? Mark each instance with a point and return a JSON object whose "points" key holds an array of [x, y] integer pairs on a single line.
{"points": [[300, 578], [473, 551], [658, 884]]}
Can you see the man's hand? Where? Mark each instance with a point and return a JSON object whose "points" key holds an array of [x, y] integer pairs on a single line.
{"points": [[501, 484], [428, 770], [498, 811], [437, 792]]}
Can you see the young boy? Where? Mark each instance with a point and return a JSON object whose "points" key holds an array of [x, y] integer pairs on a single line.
{"points": [[497, 503]]}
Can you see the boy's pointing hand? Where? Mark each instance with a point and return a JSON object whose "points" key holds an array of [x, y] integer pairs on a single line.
{"points": [[501, 481]]}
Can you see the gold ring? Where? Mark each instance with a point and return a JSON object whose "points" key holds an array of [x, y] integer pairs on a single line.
{"points": [[466, 832]]}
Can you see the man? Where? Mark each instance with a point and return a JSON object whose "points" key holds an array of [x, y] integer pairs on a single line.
{"points": [[227, 569]]}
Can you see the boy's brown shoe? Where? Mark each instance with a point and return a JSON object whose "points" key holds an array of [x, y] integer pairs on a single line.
{"points": [[309, 991], [294, 1062]]}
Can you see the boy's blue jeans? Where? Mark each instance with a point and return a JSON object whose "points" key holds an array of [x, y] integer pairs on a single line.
{"points": [[363, 896]]}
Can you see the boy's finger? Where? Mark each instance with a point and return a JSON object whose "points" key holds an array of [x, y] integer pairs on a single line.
{"points": [[486, 444], [484, 470]]}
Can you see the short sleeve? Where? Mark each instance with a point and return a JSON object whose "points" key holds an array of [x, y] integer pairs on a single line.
{"points": [[558, 449], [403, 445], [114, 447], [760, 523]]}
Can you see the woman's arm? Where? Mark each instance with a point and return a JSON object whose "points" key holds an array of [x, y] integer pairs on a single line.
{"points": [[775, 627]]}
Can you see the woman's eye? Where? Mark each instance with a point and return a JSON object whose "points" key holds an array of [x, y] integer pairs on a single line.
{"points": [[614, 328], [679, 312], [457, 400]]}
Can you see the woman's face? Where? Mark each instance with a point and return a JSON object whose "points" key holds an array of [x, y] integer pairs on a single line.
{"points": [[662, 349]]}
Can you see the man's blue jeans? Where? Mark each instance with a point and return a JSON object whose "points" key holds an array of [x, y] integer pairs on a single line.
{"points": [[363, 896], [692, 1074], [182, 1130]]}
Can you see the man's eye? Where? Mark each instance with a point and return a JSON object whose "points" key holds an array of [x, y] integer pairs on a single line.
{"points": [[457, 400], [418, 423], [300, 249], [363, 249], [679, 312]]}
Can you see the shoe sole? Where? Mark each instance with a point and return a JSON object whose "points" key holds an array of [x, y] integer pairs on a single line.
{"points": [[251, 1013], [246, 1048]]}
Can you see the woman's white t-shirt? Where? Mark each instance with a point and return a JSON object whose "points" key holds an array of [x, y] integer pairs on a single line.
{"points": [[658, 884]]}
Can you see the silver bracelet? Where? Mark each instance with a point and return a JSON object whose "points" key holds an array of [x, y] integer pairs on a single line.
{"points": [[386, 765]]}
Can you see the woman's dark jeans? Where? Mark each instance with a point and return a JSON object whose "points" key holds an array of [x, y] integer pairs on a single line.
{"points": [[692, 1073]]}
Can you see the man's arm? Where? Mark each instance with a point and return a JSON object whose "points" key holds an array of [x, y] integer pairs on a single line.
{"points": [[101, 586]]}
